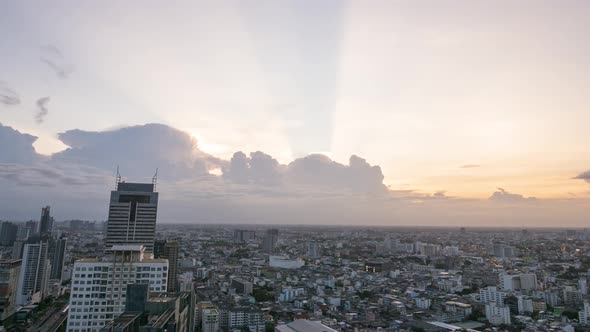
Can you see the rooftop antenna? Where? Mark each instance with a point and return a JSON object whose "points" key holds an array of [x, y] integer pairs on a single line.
{"points": [[155, 180], [118, 179]]}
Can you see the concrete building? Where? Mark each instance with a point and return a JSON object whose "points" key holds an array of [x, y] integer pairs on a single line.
{"points": [[169, 312], [46, 221], [35, 272], [57, 253], [522, 281], [270, 240], [132, 215], [242, 286], [497, 314], [525, 305], [312, 250], [423, 303], [492, 294], [584, 314], [8, 233], [289, 293], [241, 318], [168, 249], [244, 235], [9, 273], [99, 287], [210, 320]]}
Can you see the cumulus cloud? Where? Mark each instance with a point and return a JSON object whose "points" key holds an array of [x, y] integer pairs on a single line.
{"points": [[319, 170], [584, 176], [54, 59], [8, 96], [501, 195], [315, 171], [138, 150], [258, 168], [42, 110], [16, 147]]}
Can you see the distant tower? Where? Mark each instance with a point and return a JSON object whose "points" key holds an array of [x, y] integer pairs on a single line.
{"points": [[46, 222], [132, 215], [313, 250], [269, 241]]}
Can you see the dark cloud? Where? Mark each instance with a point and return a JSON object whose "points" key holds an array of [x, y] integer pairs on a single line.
{"points": [[46, 175], [42, 110], [54, 59], [584, 176], [16, 147], [504, 196], [8, 96], [470, 166], [138, 150]]}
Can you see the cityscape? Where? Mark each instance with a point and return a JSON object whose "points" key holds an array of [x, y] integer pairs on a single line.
{"points": [[294, 166]]}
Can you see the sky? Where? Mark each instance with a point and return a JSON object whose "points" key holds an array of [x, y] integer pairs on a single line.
{"points": [[452, 109]]}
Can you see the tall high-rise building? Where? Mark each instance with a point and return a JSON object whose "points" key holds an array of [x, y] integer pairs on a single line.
{"points": [[57, 253], [244, 235], [8, 232], [34, 276], [269, 241], [132, 215], [9, 272], [46, 221], [168, 249], [99, 287], [313, 249]]}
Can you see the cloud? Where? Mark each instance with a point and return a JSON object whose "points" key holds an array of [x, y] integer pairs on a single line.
{"points": [[138, 150], [315, 172], [7, 96], [504, 196], [584, 176], [54, 59], [42, 109], [16, 147], [470, 166], [319, 170], [258, 168]]}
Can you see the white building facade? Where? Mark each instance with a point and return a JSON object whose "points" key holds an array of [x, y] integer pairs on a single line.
{"points": [[99, 286]]}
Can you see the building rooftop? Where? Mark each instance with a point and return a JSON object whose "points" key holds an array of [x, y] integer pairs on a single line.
{"points": [[304, 325]]}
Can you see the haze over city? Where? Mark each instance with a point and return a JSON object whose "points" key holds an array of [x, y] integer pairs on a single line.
{"points": [[299, 112]]}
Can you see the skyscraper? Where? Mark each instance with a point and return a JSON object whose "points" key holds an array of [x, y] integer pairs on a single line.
{"points": [[56, 256], [8, 232], [132, 215], [9, 272], [46, 221], [35, 270], [312, 249], [168, 249], [269, 241]]}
